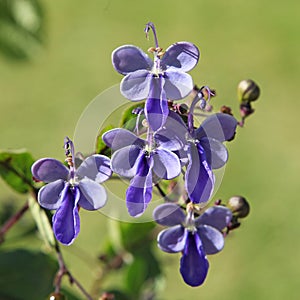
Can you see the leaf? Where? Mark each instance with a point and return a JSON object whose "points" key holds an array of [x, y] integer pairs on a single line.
{"points": [[15, 169], [101, 147], [42, 222], [26, 275]]}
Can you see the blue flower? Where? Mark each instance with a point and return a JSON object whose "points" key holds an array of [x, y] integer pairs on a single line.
{"points": [[157, 81], [142, 161], [195, 238], [204, 150], [69, 189]]}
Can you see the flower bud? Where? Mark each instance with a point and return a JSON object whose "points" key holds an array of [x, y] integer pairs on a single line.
{"points": [[248, 91], [239, 206], [56, 296]]}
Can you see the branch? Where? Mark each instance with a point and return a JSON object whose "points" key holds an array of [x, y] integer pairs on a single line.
{"points": [[12, 220]]}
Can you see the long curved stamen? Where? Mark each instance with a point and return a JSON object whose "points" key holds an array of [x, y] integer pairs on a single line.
{"points": [[149, 26], [70, 154]]}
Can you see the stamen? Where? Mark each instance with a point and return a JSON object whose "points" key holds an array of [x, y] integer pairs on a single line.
{"points": [[69, 151], [149, 26]]}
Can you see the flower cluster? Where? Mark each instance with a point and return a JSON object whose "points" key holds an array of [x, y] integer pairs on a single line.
{"points": [[171, 144]]}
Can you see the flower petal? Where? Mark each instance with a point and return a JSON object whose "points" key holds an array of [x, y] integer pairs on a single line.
{"points": [[193, 263], [219, 126], [216, 153], [128, 58], [66, 222], [172, 240], [168, 214], [156, 107], [215, 216], [181, 55], [49, 196], [166, 164], [49, 170], [95, 167], [177, 84], [211, 238], [139, 192], [118, 138], [199, 178], [124, 162], [92, 194], [136, 86]]}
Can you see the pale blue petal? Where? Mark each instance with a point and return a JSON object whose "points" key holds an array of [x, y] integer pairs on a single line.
{"points": [[168, 214], [95, 167], [166, 164], [136, 86], [124, 162], [215, 216], [216, 153], [211, 238], [182, 55], [92, 194], [219, 126], [172, 240], [49, 169], [177, 84], [49, 196], [118, 138]]}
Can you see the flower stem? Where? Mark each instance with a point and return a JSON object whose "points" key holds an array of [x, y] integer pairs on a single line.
{"points": [[12, 220]]}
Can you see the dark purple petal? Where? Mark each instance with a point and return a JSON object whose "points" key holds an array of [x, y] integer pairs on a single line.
{"points": [[49, 169], [215, 216], [136, 86], [118, 138], [219, 126], [66, 223], [172, 240], [166, 164], [139, 192], [92, 194], [124, 162], [211, 238], [128, 58], [168, 214], [95, 167], [182, 55], [216, 153], [49, 196], [177, 84], [193, 263], [199, 178], [156, 107]]}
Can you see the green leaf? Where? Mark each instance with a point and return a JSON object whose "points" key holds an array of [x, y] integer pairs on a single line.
{"points": [[15, 169], [128, 120], [101, 147], [26, 275], [42, 222]]}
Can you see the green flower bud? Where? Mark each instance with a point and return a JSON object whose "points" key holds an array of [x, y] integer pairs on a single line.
{"points": [[248, 91], [239, 206]]}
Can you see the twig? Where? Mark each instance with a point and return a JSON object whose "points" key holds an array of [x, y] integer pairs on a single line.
{"points": [[12, 220], [162, 193], [63, 270]]}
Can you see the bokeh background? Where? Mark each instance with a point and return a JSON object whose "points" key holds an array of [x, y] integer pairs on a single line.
{"points": [[41, 100]]}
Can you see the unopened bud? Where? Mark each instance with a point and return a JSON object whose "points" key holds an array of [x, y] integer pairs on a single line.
{"points": [[248, 91], [239, 206], [56, 296]]}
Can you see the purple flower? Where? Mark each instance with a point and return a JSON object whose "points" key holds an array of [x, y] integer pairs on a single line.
{"points": [[204, 150], [195, 238], [158, 80], [141, 160], [69, 189]]}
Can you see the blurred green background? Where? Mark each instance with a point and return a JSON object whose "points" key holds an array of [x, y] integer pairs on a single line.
{"points": [[42, 99]]}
